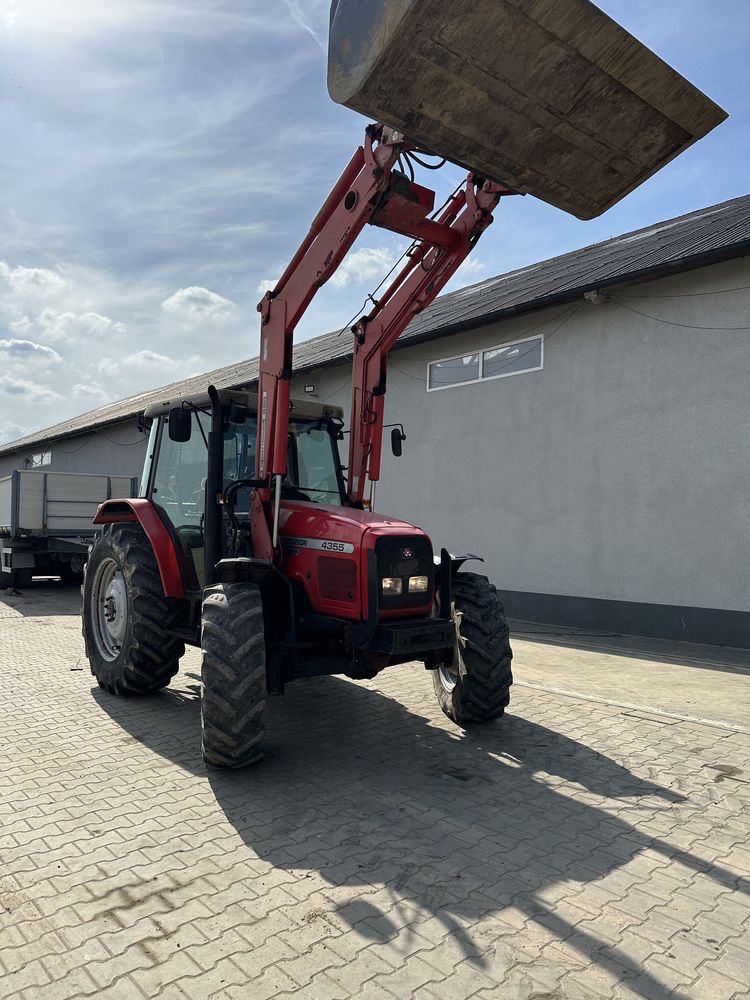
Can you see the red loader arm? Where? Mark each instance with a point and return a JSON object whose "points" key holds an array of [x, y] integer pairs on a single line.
{"points": [[369, 190]]}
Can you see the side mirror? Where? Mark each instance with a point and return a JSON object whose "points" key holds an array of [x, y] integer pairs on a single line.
{"points": [[397, 437], [180, 424]]}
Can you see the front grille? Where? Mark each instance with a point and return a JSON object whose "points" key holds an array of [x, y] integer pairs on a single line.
{"points": [[404, 556], [337, 578]]}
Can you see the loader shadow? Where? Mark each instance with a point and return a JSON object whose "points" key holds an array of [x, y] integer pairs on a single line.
{"points": [[368, 794]]}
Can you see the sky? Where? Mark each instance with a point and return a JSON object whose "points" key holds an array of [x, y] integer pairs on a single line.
{"points": [[162, 159]]}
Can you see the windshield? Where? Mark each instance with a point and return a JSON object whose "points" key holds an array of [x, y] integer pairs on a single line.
{"points": [[312, 461]]}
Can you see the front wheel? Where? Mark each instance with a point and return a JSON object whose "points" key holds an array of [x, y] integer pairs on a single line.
{"points": [[475, 686], [233, 675], [126, 615]]}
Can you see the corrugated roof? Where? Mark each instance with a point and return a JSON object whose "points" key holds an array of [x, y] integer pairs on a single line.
{"points": [[719, 232]]}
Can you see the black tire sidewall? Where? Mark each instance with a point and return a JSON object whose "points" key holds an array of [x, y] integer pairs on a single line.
{"points": [[491, 667], [109, 673], [121, 675]]}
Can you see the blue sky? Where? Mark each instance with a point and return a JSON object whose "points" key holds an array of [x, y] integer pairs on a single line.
{"points": [[162, 159]]}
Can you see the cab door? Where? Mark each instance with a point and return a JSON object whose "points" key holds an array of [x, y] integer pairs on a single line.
{"points": [[178, 486]]}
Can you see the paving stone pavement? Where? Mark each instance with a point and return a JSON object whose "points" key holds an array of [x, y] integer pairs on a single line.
{"points": [[573, 850]]}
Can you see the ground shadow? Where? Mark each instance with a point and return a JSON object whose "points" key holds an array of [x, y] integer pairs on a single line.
{"points": [[42, 598], [365, 792]]}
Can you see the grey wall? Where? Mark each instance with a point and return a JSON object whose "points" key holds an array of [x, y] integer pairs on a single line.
{"points": [[117, 450], [618, 472]]}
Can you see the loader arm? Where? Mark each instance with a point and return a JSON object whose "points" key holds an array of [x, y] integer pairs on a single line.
{"points": [[369, 190]]}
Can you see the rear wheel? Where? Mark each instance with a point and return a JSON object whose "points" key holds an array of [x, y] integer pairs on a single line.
{"points": [[233, 675], [475, 687], [126, 615]]}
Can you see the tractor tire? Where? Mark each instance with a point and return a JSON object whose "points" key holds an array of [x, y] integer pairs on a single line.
{"points": [[476, 687], [233, 675], [126, 615]]}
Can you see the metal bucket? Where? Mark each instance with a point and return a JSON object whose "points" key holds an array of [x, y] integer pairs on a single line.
{"points": [[550, 97]]}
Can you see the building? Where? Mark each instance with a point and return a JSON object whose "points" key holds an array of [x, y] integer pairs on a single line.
{"points": [[582, 423]]}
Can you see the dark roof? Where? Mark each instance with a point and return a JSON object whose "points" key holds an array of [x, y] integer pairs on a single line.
{"points": [[712, 234]]}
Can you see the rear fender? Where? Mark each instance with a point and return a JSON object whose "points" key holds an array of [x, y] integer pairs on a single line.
{"points": [[174, 568]]}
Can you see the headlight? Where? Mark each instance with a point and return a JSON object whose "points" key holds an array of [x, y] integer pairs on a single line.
{"points": [[391, 585], [418, 584]]}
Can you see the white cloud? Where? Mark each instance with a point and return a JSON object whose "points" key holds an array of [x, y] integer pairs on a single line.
{"points": [[10, 431], [149, 363], [32, 284], [267, 285], [298, 15], [198, 305], [92, 392], [23, 389], [28, 350], [363, 265], [64, 327]]}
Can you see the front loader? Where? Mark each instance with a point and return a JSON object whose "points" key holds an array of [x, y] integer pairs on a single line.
{"points": [[250, 538]]}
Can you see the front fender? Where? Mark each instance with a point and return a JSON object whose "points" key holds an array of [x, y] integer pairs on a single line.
{"points": [[457, 560], [170, 557]]}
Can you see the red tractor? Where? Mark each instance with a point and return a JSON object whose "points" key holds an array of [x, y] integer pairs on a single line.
{"points": [[250, 538]]}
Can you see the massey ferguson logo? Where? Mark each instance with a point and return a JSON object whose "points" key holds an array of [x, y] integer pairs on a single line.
{"points": [[407, 553]]}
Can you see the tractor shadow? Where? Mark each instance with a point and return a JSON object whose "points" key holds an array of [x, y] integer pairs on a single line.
{"points": [[461, 824]]}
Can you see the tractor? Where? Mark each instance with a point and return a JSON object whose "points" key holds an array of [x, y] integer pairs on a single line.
{"points": [[251, 538]]}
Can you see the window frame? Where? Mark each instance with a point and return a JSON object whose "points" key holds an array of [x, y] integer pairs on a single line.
{"points": [[481, 351]]}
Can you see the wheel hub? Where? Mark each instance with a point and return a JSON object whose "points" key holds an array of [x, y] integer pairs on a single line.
{"points": [[109, 598]]}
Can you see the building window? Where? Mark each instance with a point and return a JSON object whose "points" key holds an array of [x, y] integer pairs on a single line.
{"points": [[453, 371], [497, 362], [41, 459]]}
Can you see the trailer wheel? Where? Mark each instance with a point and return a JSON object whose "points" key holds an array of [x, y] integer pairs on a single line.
{"points": [[233, 675], [125, 614], [476, 686]]}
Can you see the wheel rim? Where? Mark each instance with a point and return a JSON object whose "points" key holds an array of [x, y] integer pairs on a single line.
{"points": [[448, 678], [109, 609]]}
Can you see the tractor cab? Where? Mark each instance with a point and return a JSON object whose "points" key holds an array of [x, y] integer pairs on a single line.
{"points": [[175, 475]]}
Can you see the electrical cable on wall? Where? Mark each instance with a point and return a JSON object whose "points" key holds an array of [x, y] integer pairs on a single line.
{"points": [[683, 326]]}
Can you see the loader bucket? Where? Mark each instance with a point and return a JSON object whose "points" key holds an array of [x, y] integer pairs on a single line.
{"points": [[550, 97]]}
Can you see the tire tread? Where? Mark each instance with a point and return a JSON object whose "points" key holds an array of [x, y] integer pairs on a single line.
{"points": [[233, 675]]}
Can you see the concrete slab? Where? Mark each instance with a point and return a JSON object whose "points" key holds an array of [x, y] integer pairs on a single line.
{"points": [[704, 682]]}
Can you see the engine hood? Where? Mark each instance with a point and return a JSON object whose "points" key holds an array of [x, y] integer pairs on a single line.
{"points": [[326, 549], [298, 516]]}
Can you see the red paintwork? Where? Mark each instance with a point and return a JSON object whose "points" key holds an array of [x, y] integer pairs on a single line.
{"points": [[359, 528], [144, 512]]}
